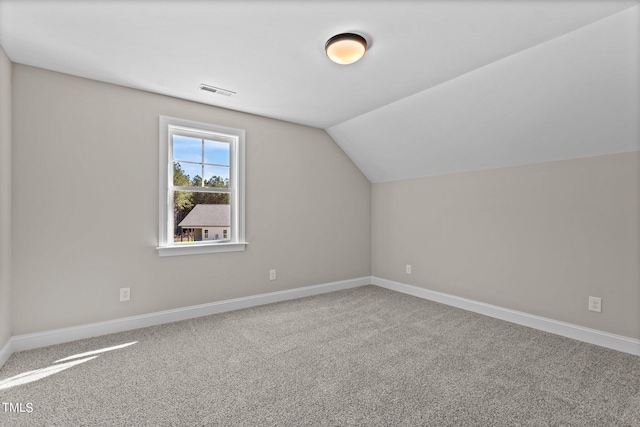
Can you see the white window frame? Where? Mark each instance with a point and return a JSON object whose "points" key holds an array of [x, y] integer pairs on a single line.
{"points": [[236, 241]]}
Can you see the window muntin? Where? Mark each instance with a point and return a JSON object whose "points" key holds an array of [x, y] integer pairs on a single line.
{"points": [[201, 187], [207, 159]]}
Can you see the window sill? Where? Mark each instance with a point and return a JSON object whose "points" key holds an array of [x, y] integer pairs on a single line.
{"points": [[201, 249]]}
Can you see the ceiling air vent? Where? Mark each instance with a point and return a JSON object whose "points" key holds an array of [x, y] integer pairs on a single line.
{"points": [[217, 90]]}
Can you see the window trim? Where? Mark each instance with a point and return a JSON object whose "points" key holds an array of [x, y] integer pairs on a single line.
{"points": [[166, 246]]}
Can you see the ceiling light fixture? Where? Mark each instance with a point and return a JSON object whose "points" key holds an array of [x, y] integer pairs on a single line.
{"points": [[346, 48]]}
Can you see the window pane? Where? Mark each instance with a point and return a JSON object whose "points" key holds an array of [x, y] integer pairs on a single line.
{"points": [[216, 152], [216, 176], [201, 217], [186, 148], [187, 174], [180, 175]]}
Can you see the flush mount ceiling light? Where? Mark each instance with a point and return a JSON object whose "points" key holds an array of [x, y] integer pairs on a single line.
{"points": [[346, 48]]}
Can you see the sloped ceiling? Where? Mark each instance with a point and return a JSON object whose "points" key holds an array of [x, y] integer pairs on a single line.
{"points": [[574, 96], [446, 86]]}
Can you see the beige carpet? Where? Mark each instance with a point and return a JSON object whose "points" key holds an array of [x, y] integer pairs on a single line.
{"points": [[365, 356]]}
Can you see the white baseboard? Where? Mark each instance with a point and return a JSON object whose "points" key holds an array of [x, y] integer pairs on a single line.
{"points": [[592, 336], [5, 352], [59, 336]]}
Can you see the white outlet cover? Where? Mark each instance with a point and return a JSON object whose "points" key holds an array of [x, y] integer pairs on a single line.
{"points": [[595, 304], [125, 294]]}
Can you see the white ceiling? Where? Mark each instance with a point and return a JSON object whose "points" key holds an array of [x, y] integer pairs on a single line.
{"points": [[446, 86]]}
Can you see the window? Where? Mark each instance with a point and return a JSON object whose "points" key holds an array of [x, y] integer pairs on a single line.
{"points": [[201, 188]]}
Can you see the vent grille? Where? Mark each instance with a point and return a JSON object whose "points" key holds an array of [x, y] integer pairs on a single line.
{"points": [[216, 90]]}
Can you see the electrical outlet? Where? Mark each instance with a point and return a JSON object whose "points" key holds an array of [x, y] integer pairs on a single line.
{"points": [[595, 304], [272, 275], [408, 269], [125, 294]]}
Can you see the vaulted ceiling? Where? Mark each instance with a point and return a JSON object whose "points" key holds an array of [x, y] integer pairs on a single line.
{"points": [[446, 86]]}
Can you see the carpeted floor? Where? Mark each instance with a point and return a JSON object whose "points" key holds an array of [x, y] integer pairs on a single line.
{"points": [[365, 356]]}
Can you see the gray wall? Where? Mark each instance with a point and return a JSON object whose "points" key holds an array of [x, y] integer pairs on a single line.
{"points": [[5, 198], [85, 207], [538, 238]]}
